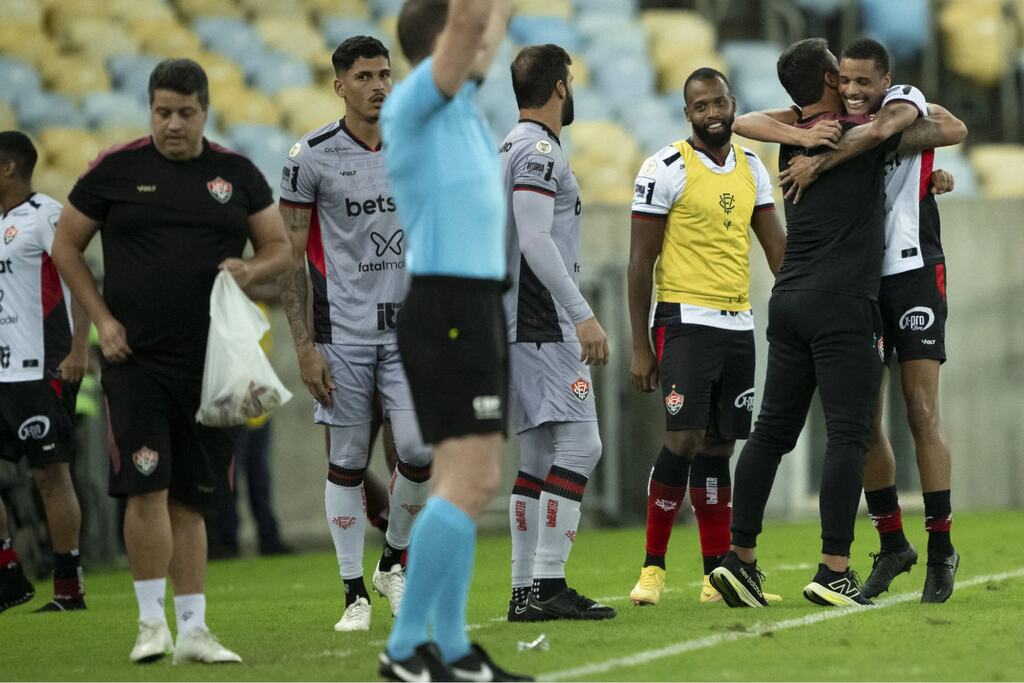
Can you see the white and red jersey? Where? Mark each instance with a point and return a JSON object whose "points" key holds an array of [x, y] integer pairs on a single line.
{"points": [[912, 238], [35, 312]]}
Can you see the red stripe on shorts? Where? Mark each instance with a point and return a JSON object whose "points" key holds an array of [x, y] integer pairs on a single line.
{"points": [[659, 342], [940, 279]]}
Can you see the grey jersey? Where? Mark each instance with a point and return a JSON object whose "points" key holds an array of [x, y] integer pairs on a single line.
{"points": [[355, 251], [533, 161]]}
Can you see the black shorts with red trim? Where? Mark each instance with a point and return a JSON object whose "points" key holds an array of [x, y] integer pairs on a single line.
{"points": [[707, 378], [37, 421], [155, 442], [454, 347], [914, 310]]}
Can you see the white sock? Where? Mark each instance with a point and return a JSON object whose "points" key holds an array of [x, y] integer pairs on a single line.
{"points": [[522, 521], [151, 596], [346, 518], [191, 612], [406, 499], [559, 518]]}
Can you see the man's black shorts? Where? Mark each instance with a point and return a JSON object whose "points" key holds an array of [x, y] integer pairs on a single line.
{"points": [[451, 334], [913, 306], [156, 443], [707, 378], [37, 421]]}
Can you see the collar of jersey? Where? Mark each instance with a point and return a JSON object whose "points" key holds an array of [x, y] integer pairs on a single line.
{"points": [[551, 133]]}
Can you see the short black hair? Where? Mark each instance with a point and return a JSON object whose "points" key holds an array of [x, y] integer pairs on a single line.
{"points": [[183, 76], [705, 73], [351, 49], [419, 24], [17, 147], [866, 48], [535, 72], [802, 68]]}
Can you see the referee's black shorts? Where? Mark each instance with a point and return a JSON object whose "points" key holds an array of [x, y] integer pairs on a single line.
{"points": [[451, 334], [156, 443]]}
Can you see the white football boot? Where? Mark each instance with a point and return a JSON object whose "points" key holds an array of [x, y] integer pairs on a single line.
{"points": [[356, 617], [153, 642], [391, 585], [199, 645]]}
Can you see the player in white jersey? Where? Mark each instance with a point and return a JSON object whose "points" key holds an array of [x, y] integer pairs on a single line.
{"points": [[912, 299], [554, 337], [337, 202], [41, 366]]}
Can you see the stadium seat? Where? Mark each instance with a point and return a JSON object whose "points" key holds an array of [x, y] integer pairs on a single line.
{"points": [[534, 30], [676, 61], [273, 8], [822, 8], [63, 14], [75, 76], [1000, 168], [978, 39], [81, 37], [22, 13], [221, 71], [167, 39], [54, 182], [277, 71], [357, 9], [293, 35], [68, 149], [27, 43], [611, 29], [903, 27], [671, 25], [253, 140], [102, 109], [338, 28], [130, 74], [545, 8], [17, 80], [8, 121], [385, 8], [622, 8], [229, 36], [952, 159], [589, 104], [118, 135], [604, 140], [604, 184], [41, 109], [195, 9], [244, 106], [623, 78], [133, 11], [305, 109]]}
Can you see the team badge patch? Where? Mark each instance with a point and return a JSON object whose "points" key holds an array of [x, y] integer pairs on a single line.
{"points": [[9, 234], [294, 151], [543, 146], [343, 522], [220, 189], [674, 401], [413, 510], [580, 389], [145, 460]]}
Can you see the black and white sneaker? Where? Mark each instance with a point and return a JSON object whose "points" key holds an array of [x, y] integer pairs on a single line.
{"points": [[15, 588], [738, 582], [478, 667], [566, 604], [62, 605], [425, 664], [830, 588], [517, 610], [938, 584], [885, 567]]}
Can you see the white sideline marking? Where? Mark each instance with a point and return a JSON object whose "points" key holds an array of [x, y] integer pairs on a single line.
{"points": [[754, 631]]}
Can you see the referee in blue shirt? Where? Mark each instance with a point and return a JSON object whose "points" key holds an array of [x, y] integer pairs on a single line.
{"points": [[447, 183]]}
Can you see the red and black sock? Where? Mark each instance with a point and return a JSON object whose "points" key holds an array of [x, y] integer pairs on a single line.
{"points": [[68, 582], [886, 515], [8, 555], [711, 499], [665, 492], [938, 518]]}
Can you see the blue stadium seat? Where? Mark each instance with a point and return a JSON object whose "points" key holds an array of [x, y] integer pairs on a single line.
{"points": [[110, 109], [276, 70], [18, 80], [620, 8], [589, 104], [623, 79], [760, 94], [130, 74], [953, 160], [612, 34], [533, 30], [228, 36], [263, 141], [337, 29], [823, 8], [41, 110], [751, 55], [385, 8], [901, 26]]}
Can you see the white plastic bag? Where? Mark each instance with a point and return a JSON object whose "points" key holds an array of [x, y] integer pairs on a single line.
{"points": [[238, 382]]}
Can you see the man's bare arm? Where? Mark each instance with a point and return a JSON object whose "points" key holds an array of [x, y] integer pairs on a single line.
{"points": [[646, 237], [939, 129], [472, 32], [777, 125], [770, 233]]}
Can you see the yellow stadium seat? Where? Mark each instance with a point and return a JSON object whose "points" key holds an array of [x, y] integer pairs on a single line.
{"points": [[193, 9], [221, 72], [580, 70], [99, 38], [1000, 169], [55, 182], [118, 135], [354, 9], [21, 12], [28, 44], [8, 121], [68, 149], [979, 42], [273, 8], [75, 75], [601, 183], [305, 109], [673, 74], [670, 25], [292, 35], [244, 106], [141, 10], [64, 14], [604, 140], [545, 8], [167, 39]]}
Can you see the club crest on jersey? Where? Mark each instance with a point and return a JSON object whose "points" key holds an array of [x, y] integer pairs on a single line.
{"points": [[543, 146], [9, 234], [220, 189], [145, 460], [580, 389], [674, 401]]}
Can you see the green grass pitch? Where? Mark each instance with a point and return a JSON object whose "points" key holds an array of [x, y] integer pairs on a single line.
{"points": [[278, 614]]}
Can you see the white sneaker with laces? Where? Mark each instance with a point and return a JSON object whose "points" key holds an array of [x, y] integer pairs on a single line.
{"points": [[356, 617], [391, 584], [199, 645], [153, 642]]}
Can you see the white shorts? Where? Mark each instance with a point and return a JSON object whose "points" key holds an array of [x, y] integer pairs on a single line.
{"points": [[357, 372], [549, 383]]}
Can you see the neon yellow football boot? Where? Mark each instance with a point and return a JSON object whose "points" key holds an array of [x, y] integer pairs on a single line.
{"points": [[647, 590]]}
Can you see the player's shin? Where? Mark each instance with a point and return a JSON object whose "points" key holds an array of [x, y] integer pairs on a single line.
{"points": [[523, 519], [346, 519], [559, 517]]}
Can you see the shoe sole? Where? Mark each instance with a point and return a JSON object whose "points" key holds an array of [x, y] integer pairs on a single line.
{"points": [[18, 601], [732, 589], [149, 659], [640, 602], [820, 595], [868, 592]]}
